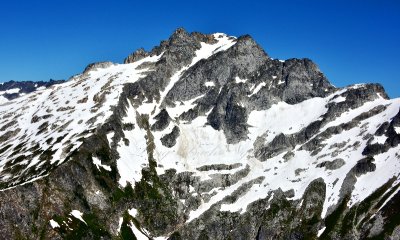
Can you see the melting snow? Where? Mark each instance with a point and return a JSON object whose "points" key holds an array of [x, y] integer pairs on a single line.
{"points": [[98, 164], [207, 146], [279, 118], [133, 157], [54, 224], [349, 115], [339, 99], [209, 84], [257, 88], [387, 166], [199, 144], [69, 109], [138, 234], [78, 215], [281, 82], [321, 231], [379, 139], [184, 106], [133, 212], [239, 80], [3, 100], [12, 90], [136, 150]]}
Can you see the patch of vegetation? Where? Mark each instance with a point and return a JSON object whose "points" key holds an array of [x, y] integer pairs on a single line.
{"points": [[72, 228], [121, 194], [126, 232], [156, 206], [177, 236], [392, 217], [365, 207], [344, 221], [334, 218]]}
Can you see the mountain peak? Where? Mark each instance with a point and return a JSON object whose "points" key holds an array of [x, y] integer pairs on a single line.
{"points": [[179, 33], [203, 137], [179, 41]]}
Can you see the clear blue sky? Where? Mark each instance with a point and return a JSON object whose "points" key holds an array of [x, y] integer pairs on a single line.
{"points": [[352, 41]]}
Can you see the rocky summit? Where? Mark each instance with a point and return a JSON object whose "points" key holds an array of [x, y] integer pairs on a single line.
{"points": [[203, 137]]}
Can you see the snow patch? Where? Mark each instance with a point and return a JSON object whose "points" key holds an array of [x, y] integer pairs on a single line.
{"points": [[98, 164], [182, 107], [3, 100], [239, 80], [339, 99], [70, 108], [209, 84], [387, 166], [321, 231], [78, 215], [350, 115], [257, 88], [120, 221], [133, 157], [138, 234], [133, 212], [279, 117], [12, 91], [379, 139], [54, 224]]}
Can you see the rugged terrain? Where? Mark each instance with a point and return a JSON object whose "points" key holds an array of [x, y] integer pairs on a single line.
{"points": [[203, 137], [13, 89]]}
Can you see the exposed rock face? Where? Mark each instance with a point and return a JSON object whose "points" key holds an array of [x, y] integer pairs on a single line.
{"points": [[169, 140], [203, 137], [332, 165]]}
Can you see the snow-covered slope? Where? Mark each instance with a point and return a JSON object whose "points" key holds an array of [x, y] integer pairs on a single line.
{"points": [[12, 89], [43, 128], [199, 145], [204, 136]]}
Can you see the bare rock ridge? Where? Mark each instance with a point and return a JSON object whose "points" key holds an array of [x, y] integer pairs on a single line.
{"points": [[203, 137]]}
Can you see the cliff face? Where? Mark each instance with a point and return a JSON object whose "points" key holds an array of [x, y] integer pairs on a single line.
{"points": [[204, 137]]}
